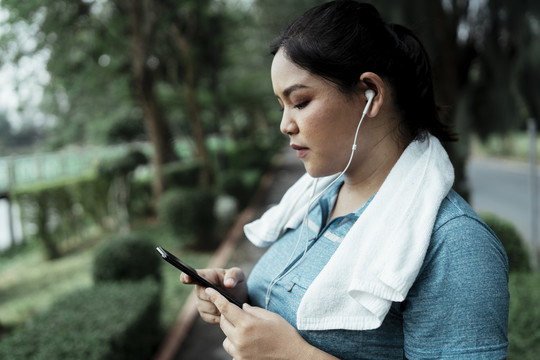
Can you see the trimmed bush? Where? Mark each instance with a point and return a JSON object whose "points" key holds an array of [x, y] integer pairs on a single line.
{"points": [[518, 256], [113, 321], [189, 214], [56, 212], [128, 257], [524, 320]]}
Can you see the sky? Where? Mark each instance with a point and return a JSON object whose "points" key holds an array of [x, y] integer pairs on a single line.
{"points": [[30, 72]]}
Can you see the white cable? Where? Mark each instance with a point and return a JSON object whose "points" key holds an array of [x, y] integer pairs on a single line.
{"points": [[280, 275]]}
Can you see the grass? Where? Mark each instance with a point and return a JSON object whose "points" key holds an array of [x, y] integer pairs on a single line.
{"points": [[29, 284]]}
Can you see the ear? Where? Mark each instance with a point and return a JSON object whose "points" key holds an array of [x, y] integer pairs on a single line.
{"points": [[374, 82]]}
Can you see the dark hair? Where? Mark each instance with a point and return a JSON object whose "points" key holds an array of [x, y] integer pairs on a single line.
{"points": [[342, 39]]}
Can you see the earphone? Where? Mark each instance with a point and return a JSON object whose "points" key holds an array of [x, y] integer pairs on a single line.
{"points": [[370, 95]]}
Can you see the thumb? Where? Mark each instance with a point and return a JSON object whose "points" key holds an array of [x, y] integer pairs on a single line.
{"points": [[233, 276]]}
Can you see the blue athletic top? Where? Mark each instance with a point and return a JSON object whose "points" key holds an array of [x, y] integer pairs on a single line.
{"points": [[456, 309]]}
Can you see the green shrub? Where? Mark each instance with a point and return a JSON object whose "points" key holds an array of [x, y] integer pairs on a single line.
{"points": [[189, 214], [140, 202], [122, 165], [518, 257], [58, 211], [241, 184], [112, 321], [128, 257], [524, 319]]}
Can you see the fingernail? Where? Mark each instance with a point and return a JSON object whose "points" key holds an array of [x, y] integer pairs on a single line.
{"points": [[229, 282]]}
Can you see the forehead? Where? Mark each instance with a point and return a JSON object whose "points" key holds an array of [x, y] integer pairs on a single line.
{"points": [[286, 73]]}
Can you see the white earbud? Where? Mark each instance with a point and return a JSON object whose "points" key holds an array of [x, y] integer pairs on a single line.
{"points": [[370, 94]]}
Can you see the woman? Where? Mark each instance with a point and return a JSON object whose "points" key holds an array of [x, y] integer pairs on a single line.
{"points": [[372, 255]]}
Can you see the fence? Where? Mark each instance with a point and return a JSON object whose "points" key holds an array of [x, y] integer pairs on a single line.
{"points": [[27, 169], [21, 170]]}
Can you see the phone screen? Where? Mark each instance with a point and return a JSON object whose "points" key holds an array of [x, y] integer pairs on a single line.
{"points": [[188, 270]]}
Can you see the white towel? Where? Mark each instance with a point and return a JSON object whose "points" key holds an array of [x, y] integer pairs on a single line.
{"points": [[381, 255]]}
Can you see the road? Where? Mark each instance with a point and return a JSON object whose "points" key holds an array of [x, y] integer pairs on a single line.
{"points": [[503, 187]]}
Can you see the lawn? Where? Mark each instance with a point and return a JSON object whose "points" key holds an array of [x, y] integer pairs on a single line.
{"points": [[30, 284]]}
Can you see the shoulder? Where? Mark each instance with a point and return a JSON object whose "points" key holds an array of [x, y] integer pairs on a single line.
{"points": [[460, 231], [458, 305]]}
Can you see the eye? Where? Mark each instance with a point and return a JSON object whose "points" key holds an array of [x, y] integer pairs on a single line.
{"points": [[301, 105]]}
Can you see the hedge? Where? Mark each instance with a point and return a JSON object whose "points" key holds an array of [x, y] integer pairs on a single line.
{"points": [[126, 257], [62, 210], [518, 256], [110, 321], [524, 319]]}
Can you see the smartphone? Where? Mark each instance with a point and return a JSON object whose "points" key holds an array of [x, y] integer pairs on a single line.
{"points": [[188, 270]]}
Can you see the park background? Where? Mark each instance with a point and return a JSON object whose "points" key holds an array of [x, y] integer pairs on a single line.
{"points": [[152, 122]]}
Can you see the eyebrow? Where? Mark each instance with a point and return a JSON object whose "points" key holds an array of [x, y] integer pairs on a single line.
{"points": [[293, 88]]}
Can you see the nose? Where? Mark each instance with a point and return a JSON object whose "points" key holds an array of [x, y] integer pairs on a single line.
{"points": [[288, 126]]}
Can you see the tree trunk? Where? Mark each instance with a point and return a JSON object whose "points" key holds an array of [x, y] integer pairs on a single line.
{"points": [[190, 92], [142, 22]]}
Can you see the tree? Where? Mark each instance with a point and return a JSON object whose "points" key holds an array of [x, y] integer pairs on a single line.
{"points": [[116, 61]]}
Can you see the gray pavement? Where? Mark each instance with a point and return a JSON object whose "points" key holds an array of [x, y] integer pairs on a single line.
{"points": [[204, 341]]}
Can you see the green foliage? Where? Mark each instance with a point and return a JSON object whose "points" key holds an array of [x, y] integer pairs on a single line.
{"points": [[524, 319], [242, 165], [122, 165], [249, 154], [125, 129], [112, 321], [241, 184], [181, 174], [62, 210], [127, 257], [518, 257], [189, 214], [140, 202]]}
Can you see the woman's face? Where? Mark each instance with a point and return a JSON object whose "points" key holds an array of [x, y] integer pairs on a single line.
{"points": [[319, 120]]}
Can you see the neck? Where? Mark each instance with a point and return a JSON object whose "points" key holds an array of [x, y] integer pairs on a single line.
{"points": [[365, 177]]}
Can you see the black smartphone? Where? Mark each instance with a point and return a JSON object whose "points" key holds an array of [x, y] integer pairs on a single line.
{"points": [[188, 270]]}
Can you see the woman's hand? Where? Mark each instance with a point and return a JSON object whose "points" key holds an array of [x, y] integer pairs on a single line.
{"points": [[232, 280], [255, 333]]}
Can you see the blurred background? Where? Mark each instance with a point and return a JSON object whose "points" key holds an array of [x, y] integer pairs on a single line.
{"points": [[129, 124]]}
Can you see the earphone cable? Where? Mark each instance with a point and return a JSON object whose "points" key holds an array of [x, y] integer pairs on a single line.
{"points": [[281, 275]]}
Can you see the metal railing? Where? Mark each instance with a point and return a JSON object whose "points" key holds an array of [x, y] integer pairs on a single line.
{"points": [[20, 170]]}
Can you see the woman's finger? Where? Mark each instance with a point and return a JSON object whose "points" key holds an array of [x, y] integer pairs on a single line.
{"points": [[233, 276]]}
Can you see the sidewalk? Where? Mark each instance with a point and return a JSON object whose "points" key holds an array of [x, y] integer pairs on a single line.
{"points": [[199, 340]]}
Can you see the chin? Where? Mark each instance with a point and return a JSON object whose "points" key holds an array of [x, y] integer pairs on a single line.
{"points": [[316, 172]]}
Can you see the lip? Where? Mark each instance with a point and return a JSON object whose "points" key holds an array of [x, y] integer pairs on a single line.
{"points": [[301, 151]]}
